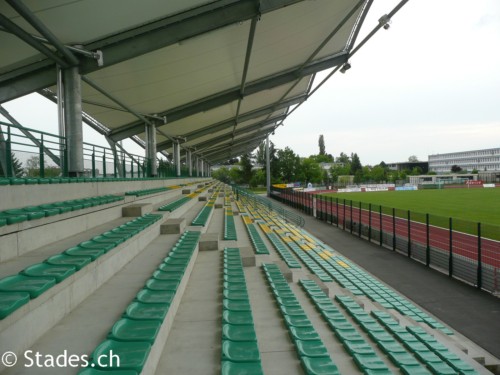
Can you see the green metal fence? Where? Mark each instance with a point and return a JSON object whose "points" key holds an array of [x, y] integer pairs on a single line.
{"points": [[32, 153]]}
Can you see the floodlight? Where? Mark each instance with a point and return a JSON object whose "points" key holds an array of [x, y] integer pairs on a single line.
{"points": [[345, 67], [385, 21]]}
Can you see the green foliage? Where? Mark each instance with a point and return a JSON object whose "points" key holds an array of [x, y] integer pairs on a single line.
{"points": [[356, 165], [378, 173], [222, 174], [456, 169], [246, 168], [289, 164], [258, 178], [17, 166], [310, 171], [321, 143]]}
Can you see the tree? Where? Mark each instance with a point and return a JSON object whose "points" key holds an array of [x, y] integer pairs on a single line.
{"points": [[16, 165], [343, 158], [321, 143], [339, 170], [258, 178], [355, 164], [222, 174], [246, 168], [288, 164], [456, 169], [33, 166], [378, 173], [413, 159], [310, 171], [273, 159]]}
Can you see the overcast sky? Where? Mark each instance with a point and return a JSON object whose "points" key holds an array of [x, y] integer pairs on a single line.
{"points": [[430, 84]]}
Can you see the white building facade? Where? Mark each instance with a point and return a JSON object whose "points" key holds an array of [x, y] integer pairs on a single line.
{"points": [[487, 160]]}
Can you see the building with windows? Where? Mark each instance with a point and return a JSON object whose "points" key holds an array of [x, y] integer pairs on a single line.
{"points": [[487, 160]]}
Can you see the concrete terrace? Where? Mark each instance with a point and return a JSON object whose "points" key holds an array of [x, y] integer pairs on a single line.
{"points": [[240, 292]]}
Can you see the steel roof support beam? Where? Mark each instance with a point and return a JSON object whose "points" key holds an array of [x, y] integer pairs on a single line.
{"points": [[42, 29], [189, 138], [248, 129], [27, 38], [139, 41], [234, 94]]}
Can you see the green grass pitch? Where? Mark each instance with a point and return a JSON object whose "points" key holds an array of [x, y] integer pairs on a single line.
{"points": [[471, 205]]}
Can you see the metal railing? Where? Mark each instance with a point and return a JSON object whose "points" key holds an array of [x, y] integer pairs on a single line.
{"points": [[463, 249], [32, 153]]}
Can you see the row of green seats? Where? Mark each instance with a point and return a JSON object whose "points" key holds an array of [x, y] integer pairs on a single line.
{"points": [[18, 215], [132, 336], [258, 244], [240, 352], [283, 251], [172, 206], [140, 193], [308, 259], [436, 356], [17, 290], [358, 348], [67, 180], [229, 226], [312, 352]]}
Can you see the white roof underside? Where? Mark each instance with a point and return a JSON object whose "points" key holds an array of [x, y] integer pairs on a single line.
{"points": [[223, 73]]}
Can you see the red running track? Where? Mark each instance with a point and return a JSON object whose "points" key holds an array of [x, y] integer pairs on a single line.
{"points": [[462, 244]]}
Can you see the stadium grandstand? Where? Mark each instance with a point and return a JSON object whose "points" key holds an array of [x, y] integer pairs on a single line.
{"points": [[143, 264]]}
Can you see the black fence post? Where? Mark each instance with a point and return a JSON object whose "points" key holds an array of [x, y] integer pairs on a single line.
{"points": [[450, 259], [479, 258], [93, 162], [393, 229], [360, 219], [343, 217], [369, 222], [352, 221], [428, 241], [337, 199], [331, 210], [409, 233], [381, 227]]}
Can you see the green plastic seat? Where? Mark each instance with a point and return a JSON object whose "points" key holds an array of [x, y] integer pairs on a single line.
{"points": [[96, 245], [155, 284], [135, 330], [236, 305], [241, 368], [94, 371], [370, 362], [21, 283], [68, 260], [358, 347], [147, 311], [312, 348], [11, 301], [164, 267], [238, 332], [297, 321], [126, 355], [81, 252], [13, 218], [414, 370], [319, 366], [171, 276], [154, 296], [235, 295], [237, 317], [403, 359], [240, 351], [59, 272], [441, 368], [304, 333]]}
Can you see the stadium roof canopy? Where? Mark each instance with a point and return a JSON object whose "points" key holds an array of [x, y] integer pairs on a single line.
{"points": [[219, 74]]}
